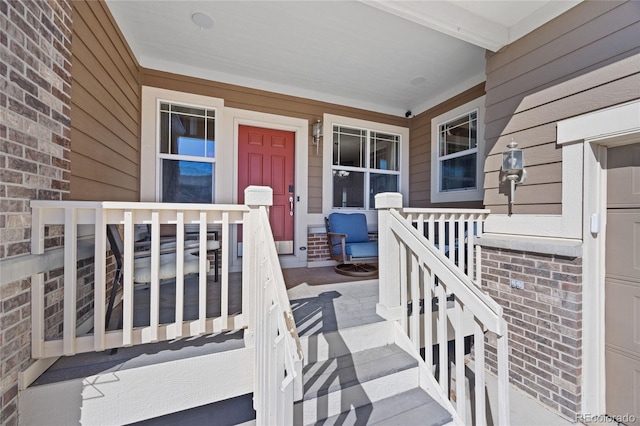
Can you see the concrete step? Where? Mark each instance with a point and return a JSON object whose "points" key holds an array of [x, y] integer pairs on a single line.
{"points": [[414, 407], [337, 385], [159, 379]]}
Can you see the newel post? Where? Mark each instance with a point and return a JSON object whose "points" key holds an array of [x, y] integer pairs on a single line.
{"points": [[255, 197], [388, 305]]}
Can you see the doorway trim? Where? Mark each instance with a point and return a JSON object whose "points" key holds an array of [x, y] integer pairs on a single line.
{"points": [[233, 119], [597, 131]]}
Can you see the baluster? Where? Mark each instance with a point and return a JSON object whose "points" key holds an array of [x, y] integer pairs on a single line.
{"points": [[202, 274], [442, 338], [154, 296], [179, 274], [459, 349], [415, 301], [127, 280], [224, 296], [37, 316], [70, 280], [99, 279], [404, 303], [478, 351]]}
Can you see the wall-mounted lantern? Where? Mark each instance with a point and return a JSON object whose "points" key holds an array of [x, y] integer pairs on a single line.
{"points": [[513, 167], [316, 131]]}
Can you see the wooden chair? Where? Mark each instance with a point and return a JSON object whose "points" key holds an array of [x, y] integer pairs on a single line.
{"points": [[349, 244]]}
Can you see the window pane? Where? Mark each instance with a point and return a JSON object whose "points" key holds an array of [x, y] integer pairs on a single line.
{"points": [[349, 147], [348, 189], [459, 134], [184, 134], [187, 182], [384, 151], [381, 183], [458, 173]]}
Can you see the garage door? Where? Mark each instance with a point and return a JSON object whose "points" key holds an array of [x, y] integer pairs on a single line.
{"points": [[622, 283]]}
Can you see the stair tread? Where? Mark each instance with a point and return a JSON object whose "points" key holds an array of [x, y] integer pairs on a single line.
{"points": [[411, 407], [327, 376]]}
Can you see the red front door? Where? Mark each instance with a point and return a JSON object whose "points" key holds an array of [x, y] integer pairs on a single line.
{"points": [[266, 158]]}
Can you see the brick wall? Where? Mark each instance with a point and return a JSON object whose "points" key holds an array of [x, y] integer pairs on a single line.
{"points": [[35, 91], [545, 323], [318, 247]]}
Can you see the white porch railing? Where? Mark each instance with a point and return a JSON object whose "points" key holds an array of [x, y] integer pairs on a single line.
{"points": [[453, 232], [278, 371], [415, 271], [98, 215]]}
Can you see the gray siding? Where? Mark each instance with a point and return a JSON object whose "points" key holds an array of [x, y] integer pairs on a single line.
{"points": [[420, 151], [584, 60]]}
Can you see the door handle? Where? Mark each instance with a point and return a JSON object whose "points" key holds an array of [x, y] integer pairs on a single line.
{"points": [[291, 205]]}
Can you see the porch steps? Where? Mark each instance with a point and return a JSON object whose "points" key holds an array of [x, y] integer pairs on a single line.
{"points": [[140, 383], [372, 380]]}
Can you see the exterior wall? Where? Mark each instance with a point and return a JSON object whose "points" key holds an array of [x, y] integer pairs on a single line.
{"points": [[545, 323], [584, 60], [35, 76], [105, 109], [273, 103], [420, 151]]}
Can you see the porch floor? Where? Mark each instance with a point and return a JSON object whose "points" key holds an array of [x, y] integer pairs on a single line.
{"points": [[321, 301]]}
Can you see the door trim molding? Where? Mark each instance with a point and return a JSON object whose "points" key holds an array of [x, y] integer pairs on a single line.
{"points": [[233, 119], [598, 131]]}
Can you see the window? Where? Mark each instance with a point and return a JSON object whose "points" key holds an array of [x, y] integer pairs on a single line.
{"points": [[364, 163], [186, 153], [457, 155]]}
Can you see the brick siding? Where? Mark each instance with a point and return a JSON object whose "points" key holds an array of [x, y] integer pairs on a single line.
{"points": [[318, 246], [545, 323], [35, 92]]}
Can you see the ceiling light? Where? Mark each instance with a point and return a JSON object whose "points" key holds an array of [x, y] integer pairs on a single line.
{"points": [[202, 20]]}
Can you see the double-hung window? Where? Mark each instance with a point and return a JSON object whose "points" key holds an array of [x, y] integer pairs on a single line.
{"points": [[186, 153], [364, 163], [457, 154]]}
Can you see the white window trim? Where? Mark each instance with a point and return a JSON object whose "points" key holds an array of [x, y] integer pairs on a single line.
{"points": [[595, 132], [328, 121], [150, 156], [477, 194]]}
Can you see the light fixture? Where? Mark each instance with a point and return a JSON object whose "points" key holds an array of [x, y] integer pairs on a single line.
{"points": [[513, 167], [317, 134], [202, 20]]}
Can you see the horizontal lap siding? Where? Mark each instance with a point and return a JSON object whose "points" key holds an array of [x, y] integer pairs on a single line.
{"points": [[105, 109], [420, 151], [272, 103], [586, 59]]}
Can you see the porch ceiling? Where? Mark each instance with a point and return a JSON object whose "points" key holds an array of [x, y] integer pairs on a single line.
{"points": [[385, 56]]}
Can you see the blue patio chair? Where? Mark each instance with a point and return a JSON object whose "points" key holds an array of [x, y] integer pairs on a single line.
{"points": [[350, 246]]}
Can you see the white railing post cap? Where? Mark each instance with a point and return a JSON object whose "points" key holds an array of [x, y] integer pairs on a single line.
{"points": [[388, 200], [258, 196]]}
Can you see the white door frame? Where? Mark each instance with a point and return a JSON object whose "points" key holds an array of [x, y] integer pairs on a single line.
{"points": [[600, 130], [233, 119]]}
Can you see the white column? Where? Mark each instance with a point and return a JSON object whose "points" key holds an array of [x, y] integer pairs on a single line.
{"points": [[388, 305], [254, 197]]}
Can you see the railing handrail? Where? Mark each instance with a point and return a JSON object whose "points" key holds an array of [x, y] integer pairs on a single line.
{"points": [[483, 306], [280, 286], [278, 372], [445, 210]]}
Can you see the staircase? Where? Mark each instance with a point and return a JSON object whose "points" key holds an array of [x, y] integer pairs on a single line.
{"points": [[360, 376]]}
